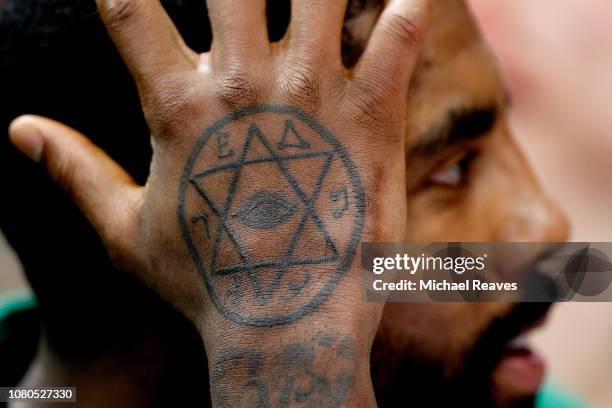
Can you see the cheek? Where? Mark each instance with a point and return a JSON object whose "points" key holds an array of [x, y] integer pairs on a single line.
{"points": [[438, 216]]}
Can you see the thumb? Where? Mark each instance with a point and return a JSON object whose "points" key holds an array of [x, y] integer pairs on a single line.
{"points": [[104, 192]]}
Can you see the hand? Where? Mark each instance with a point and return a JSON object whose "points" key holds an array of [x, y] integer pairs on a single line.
{"points": [[271, 164]]}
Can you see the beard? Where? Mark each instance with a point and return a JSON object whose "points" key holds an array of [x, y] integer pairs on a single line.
{"points": [[405, 378]]}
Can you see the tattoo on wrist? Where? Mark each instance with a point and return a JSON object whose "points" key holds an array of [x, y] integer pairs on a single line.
{"points": [[319, 372], [271, 208]]}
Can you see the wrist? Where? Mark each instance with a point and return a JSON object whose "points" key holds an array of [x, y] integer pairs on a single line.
{"points": [[327, 368]]}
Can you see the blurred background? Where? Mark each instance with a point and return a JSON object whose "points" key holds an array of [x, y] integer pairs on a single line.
{"points": [[557, 58]]}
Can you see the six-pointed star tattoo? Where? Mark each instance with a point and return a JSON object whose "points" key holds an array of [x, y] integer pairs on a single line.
{"points": [[271, 175]]}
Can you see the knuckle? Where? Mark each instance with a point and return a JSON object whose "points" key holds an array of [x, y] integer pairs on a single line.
{"points": [[117, 12], [301, 84], [237, 88], [368, 107], [405, 31], [166, 111]]}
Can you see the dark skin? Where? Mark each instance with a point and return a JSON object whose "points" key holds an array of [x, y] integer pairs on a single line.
{"points": [[359, 116], [441, 194]]}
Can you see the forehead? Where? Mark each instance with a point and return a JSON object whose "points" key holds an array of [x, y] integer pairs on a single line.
{"points": [[456, 70]]}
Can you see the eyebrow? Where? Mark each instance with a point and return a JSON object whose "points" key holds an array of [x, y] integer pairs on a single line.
{"points": [[458, 126]]}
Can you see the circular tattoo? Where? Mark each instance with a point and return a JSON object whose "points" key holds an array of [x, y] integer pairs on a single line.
{"points": [[258, 197]]}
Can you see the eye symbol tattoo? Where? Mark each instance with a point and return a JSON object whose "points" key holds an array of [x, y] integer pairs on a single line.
{"points": [[265, 210]]}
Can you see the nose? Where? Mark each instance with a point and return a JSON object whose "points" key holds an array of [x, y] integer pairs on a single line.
{"points": [[558, 228], [537, 220]]}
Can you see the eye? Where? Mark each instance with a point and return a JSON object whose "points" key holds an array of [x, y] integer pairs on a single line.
{"points": [[454, 173], [451, 176], [265, 210]]}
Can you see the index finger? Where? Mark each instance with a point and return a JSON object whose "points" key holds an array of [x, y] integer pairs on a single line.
{"points": [[146, 38]]}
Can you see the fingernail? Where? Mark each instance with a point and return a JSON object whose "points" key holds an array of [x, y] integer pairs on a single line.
{"points": [[27, 138]]}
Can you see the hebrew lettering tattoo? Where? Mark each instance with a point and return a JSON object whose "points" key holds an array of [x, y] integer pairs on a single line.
{"points": [[264, 178], [340, 196], [204, 219], [315, 373]]}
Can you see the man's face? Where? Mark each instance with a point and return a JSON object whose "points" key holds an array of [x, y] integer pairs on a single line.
{"points": [[467, 181]]}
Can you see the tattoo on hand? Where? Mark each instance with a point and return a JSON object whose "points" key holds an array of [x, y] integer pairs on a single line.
{"points": [[315, 373], [271, 183], [340, 195]]}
